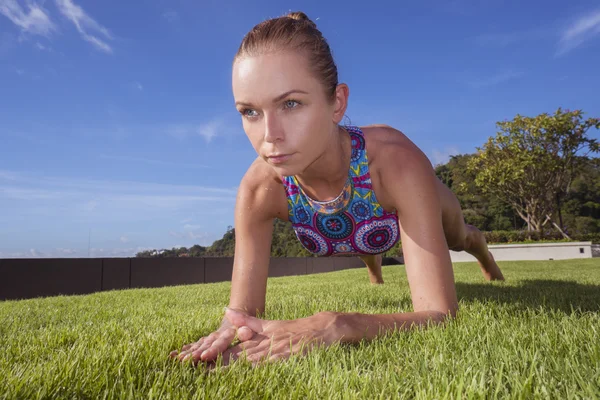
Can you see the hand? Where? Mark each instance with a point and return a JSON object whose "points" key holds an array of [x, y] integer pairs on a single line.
{"points": [[209, 347], [274, 340]]}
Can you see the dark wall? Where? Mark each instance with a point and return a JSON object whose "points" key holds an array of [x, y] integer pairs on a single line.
{"points": [[41, 277], [27, 278]]}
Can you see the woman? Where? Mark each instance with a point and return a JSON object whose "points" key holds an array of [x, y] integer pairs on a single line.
{"points": [[345, 189]]}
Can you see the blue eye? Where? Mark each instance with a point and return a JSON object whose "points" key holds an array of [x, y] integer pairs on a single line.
{"points": [[247, 113], [291, 104]]}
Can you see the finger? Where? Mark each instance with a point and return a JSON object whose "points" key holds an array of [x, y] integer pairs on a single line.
{"points": [[185, 348], [193, 346], [303, 347], [188, 346], [201, 344], [279, 357], [244, 333], [260, 344], [264, 352], [243, 349], [209, 353]]}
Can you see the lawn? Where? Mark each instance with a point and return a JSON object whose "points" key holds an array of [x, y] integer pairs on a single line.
{"points": [[537, 335]]}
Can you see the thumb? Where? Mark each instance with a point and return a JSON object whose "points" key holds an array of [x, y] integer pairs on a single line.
{"points": [[239, 319]]}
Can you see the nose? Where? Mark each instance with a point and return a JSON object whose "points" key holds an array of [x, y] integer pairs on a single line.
{"points": [[273, 129]]}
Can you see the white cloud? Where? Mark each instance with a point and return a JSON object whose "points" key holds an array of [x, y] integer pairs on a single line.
{"points": [[209, 130], [504, 39], [84, 23], [203, 237], [189, 227], [153, 161], [66, 251], [138, 85], [90, 205], [33, 20], [495, 79], [579, 31], [104, 200], [20, 71], [442, 156], [171, 16], [36, 253], [192, 232], [41, 47], [8, 175], [28, 193], [70, 253], [124, 239], [115, 252]]}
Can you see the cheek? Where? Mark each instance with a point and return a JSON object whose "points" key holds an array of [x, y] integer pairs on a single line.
{"points": [[305, 129], [254, 134]]}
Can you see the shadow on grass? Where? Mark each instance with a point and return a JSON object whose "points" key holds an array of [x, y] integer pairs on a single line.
{"points": [[566, 296]]}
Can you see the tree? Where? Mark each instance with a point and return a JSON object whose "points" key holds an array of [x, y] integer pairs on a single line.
{"points": [[481, 210], [581, 207], [531, 162]]}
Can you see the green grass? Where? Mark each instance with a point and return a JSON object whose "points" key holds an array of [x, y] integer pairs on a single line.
{"points": [[535, 336]]}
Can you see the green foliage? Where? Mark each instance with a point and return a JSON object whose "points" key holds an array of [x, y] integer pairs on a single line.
{"points": [[520, 236], [531, 162], [482, 210], [285, 242]]}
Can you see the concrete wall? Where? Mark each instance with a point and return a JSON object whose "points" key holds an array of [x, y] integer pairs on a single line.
{"points": [[41, 277], [539, 251]]}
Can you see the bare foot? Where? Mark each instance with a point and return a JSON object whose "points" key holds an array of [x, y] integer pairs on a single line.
{"points": [[490, 269]]}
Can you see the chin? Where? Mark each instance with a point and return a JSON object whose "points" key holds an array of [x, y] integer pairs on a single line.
{"points": [[285, 171]]}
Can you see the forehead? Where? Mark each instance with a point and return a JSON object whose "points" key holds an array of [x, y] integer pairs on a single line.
{"points": [[261, 78]]}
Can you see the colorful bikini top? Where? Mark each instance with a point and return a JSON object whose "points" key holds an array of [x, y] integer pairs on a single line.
{"points": [[354, 223]]}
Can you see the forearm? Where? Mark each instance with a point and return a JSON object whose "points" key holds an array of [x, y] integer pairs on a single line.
{"points": [[354, 327], [248, 289]]}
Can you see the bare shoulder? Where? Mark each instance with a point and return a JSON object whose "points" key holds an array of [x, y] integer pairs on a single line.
{"points": [[383, 141], [394, 162], [261, 192]]}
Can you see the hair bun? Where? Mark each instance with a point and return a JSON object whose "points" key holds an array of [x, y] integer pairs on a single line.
{"points": [[300, 16]]}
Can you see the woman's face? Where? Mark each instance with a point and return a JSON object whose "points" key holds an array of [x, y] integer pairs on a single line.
{"points": [[285, 112]]}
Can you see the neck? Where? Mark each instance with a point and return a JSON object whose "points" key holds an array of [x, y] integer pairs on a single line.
{"points": [[324, 178]]}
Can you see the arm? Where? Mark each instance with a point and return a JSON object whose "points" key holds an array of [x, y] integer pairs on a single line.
{"points": [[259, 201], [409, 184]]}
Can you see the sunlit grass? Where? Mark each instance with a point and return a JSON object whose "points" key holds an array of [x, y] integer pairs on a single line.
{"points": [[535, 335]]}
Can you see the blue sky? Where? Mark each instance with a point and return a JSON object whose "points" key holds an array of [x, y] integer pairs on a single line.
{"points": [[117, 118]]}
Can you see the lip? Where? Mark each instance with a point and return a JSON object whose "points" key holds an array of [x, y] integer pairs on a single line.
{"points": [[278, 158]]}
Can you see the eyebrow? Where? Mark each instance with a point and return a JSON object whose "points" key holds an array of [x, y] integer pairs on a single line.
{"points": [[276, 99]]}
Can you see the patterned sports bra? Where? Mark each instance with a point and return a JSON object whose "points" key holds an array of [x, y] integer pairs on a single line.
{"points": [[354, 223]]}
